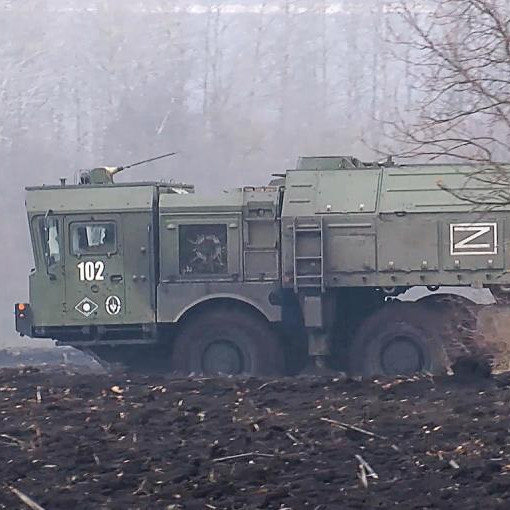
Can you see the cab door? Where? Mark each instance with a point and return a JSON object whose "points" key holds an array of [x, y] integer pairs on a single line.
{"points": [[94, 269], [47, 281]]}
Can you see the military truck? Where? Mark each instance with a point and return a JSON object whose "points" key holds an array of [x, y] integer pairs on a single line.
{"points": [[266, 280]]}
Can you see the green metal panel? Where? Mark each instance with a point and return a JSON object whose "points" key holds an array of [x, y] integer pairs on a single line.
{"points": [[491, 234], [177, 212], [421, 189], [106, 280], [171, 245], [231, 201], [300, 193], [330, 163], [350, 245], [347, 191], [261, 234], [140, 266], [76, 199], [408, 243], [326, 192], [173, 301]]}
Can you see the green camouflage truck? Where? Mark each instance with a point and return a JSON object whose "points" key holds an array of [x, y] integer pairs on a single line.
{"points": [[307, 270]]}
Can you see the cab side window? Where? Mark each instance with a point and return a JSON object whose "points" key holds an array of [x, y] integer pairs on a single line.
{"points": [[49, 228], [93, 238]]}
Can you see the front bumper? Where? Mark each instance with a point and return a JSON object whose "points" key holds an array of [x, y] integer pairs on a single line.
{"points": [[24, 319]]}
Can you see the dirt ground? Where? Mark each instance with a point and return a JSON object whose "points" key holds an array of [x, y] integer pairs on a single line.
{"points": [[92, 441], [54, 356]]}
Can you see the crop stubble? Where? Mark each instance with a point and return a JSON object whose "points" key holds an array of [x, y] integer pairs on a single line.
{"points": [[125, 441]]}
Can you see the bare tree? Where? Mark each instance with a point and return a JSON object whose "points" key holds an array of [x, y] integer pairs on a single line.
{"points": [[458, 56]]}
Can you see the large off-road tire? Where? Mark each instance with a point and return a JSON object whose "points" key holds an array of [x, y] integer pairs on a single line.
{"points": [[399, 339], [230, 342]]}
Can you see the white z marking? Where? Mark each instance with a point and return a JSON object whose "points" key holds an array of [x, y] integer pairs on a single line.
{"points": [[466, 243], [466, 246]]}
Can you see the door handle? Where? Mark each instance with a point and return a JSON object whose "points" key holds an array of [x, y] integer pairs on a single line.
{"points": [[116, 278]]}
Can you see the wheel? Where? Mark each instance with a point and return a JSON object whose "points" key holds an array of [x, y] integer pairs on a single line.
{"points": [[230, 342], [399, 339]]}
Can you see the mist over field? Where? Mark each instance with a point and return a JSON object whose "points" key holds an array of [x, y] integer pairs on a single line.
{"points": [[240, 89], [335, 353]]}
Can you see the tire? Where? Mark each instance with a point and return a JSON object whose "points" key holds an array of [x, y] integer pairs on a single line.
{"points": [[399, 339], [229, 342]]}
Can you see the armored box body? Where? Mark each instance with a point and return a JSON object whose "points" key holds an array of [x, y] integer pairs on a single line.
{"points": [[385, 227]]}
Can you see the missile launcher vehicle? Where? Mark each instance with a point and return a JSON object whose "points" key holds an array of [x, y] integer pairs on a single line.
{"points": [[309, 270]]}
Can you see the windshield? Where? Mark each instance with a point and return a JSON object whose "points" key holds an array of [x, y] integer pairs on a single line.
{"points": [[50, 239]]}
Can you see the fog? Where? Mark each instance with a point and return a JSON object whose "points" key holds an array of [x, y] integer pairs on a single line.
{"points": [[239, 88]]}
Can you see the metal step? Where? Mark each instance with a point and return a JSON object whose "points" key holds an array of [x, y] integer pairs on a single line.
{"points": [[312, 282], [307, 230]]}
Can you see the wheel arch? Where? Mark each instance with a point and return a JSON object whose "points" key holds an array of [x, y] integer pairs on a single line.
{"points": [[444, 298], [219, 300], [461, 294]]}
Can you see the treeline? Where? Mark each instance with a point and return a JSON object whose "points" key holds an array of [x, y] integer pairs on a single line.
{"points": [[239, 94]]}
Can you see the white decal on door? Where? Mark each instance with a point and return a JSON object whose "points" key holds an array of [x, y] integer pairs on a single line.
{"points": [[473, 239], [91, 271], [86, 307], [113, 305]]}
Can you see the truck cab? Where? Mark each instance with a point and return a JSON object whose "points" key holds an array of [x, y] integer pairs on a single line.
{"points": [[94, 258]]}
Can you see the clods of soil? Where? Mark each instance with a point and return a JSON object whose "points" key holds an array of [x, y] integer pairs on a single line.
{"points": [[124, 441]]}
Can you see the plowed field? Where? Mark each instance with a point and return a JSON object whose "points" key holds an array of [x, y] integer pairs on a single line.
{"points": [[92, 441]]}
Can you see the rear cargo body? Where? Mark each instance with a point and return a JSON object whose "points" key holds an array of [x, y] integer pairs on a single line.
{"points": [[390, 226]]}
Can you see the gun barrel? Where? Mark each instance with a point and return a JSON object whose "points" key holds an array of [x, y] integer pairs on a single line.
{"points": [[104, 174], [147, 160]]}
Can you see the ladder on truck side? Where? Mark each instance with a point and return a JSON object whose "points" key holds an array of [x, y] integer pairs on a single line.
{"points": [[308, 249]]}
